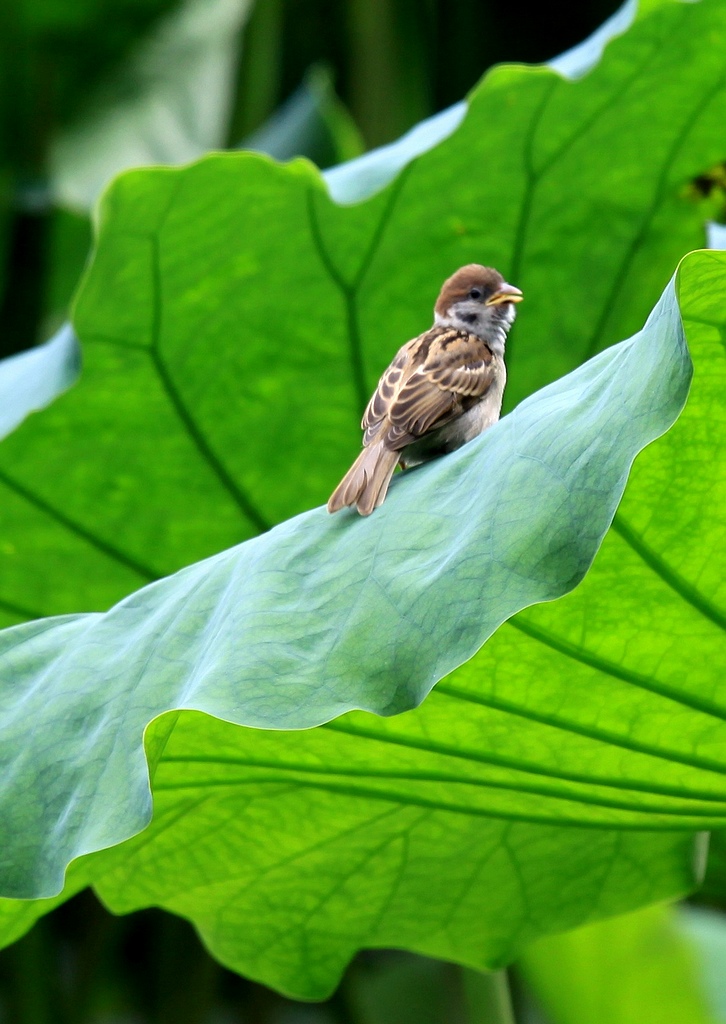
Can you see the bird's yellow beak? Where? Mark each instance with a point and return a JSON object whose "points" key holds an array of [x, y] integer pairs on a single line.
{"points": [[507, 293]]}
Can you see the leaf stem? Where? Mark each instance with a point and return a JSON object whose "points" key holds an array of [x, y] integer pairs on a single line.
{"points": [[487, 997]]}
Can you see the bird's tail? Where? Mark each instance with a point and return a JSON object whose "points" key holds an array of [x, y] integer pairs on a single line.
{"points": [[366, 482]]}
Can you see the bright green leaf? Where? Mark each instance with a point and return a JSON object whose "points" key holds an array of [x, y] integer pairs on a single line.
{"points": [[288, 860], [398, 784]]}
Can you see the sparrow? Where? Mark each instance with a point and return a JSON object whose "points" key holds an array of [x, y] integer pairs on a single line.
{"points": [[442, 389]]}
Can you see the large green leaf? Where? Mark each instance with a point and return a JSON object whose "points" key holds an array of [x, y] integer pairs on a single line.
{"points": [[323, 614], [367, 812], [234, 294]]}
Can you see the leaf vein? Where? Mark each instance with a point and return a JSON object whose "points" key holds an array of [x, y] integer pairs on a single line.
{"points": [[658, 196], [145, 571], [240, 498], [686, 590]]}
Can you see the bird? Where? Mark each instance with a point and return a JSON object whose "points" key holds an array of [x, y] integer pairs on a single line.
{"points": [[441, 390]]}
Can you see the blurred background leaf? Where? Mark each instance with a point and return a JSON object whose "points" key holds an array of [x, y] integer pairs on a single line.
{"points": [[705, 932], [640, 968], [31, 380], [312, 123], [52, 54], [168, 104]]}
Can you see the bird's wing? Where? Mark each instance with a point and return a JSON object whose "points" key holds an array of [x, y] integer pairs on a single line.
{"points": [[461, 363], [432, 379], [385, 394]]}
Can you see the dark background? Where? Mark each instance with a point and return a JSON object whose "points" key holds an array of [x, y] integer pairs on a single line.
{"points": [[397, 61]]}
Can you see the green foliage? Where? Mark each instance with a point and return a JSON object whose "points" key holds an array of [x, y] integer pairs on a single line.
{"points": [[234, 320], [288, 858], [168, 104], [52, 53]]}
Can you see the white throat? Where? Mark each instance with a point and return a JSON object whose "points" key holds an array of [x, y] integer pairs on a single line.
{"points": [[491, 324]]}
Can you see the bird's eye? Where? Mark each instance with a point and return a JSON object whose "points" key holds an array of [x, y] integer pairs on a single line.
{"points": [[475, 293]]}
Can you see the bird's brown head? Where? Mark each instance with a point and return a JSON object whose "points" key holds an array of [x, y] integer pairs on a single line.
{"points": [[479, 300]]}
